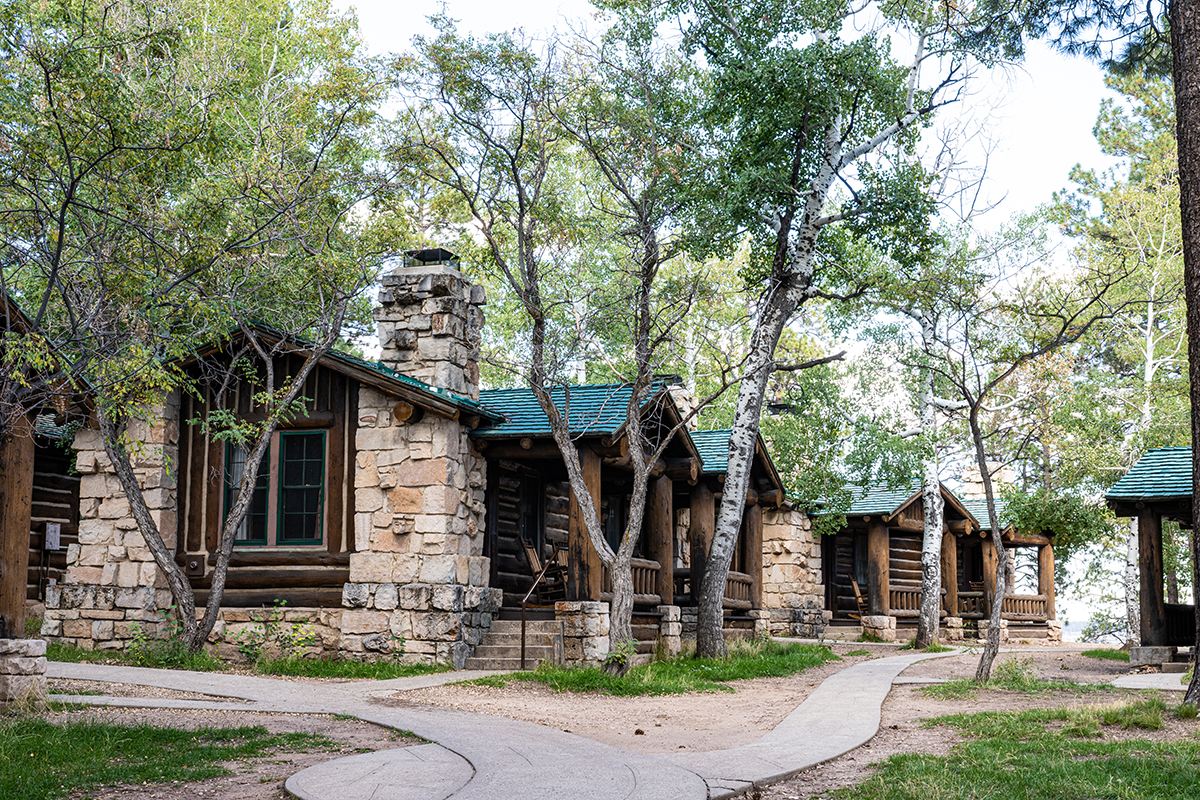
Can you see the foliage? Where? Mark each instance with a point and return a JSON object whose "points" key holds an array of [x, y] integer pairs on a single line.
{"points": [[167, 649], [287, 639], [746, 660], [1107, 654], [41, 760], [855, 653], [933, 648], [1074, 521]]}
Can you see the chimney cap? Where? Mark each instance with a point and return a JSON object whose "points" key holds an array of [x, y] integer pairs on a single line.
{"points": [[429, 257]]}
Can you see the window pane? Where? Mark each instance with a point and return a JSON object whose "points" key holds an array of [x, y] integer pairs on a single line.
{"points": [[254, 527], [302, 485]]}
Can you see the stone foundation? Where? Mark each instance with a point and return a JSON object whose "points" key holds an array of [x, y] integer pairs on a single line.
{"points": [[983, 629], [793, 589], [882, 628], [585, 629], [1148, 656], [953, 629], [22, 670]]}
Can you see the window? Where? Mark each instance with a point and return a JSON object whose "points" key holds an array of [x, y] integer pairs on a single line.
{"points": [[289, 496], [253, 529]]}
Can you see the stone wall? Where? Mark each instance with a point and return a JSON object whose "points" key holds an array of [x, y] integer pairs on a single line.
{"points": [[22, 670], [793, 589], [112, 586], [585, 629]]}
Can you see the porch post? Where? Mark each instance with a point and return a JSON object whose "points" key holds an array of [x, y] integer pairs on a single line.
{"points": [[754, 553], [1046, 577], [700, 533], [878, 568], [660, 530], [16, 497], [950, 573], [1150, 563], [989, 575], [583, 576]]}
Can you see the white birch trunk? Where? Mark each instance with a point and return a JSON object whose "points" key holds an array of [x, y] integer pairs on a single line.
{"points": [[933, 504], [1133, 611]]}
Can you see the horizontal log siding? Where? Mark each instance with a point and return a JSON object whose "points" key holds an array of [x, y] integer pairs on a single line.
{"points": [[55, 499]]}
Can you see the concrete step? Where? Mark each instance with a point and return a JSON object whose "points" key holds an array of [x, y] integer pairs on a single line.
{"points": [[1175, 667], [1182, 657]]}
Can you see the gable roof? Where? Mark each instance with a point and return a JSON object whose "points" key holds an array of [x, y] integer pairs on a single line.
{"points": [[978, 508], [713, 449], [887, 501], [591, 410], [1164, 473]]}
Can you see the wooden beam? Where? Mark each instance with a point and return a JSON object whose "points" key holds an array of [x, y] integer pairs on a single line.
{"points": [[1046, 577], [754, 553], [878, 568], [950, 572], [959, 525], [684, 469], [1150, 567], [660, 530], [583, 577], [16, 499], [989, 575], [771, 498], [751, 497], [700, 532], [1030, 539], [406, 412]]}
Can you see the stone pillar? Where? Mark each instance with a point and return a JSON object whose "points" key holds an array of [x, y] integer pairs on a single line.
{"points": [[792, 586], [950, 573], [22, 670], [878, 568], [1046, 577], [16, 496], [585, 627], [660, 532], [1150, 566], [670, 630], [586, 569], [430, 320], [702, 525]]}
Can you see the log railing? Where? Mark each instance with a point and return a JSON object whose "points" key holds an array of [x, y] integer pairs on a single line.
{"points": [[737, 590], [645, 582], [970, 605], [1181, 624], [904, 601], [1024, 607]]}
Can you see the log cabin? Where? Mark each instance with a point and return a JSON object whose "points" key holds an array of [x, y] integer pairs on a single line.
{"points": [[873, 568], [1158, 487]]}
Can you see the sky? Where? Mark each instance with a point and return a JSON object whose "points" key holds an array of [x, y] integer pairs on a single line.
{"points": [[1039, 116]]}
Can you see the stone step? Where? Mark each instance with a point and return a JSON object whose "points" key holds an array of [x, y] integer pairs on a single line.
{"points": [[531, 638], [1175, 667], [1182, 657], [488, 650], [502, 664], [543, 626]]}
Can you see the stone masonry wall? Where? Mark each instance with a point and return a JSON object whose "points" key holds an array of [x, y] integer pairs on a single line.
{"points": [[111, 583], [793, 589], [418, 571], [585, 629]]}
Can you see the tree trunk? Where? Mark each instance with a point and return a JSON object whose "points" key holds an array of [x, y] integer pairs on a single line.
{"points": [[621, 610], [933, 503], [1133, 603], [992, 646], [1185, 44]]}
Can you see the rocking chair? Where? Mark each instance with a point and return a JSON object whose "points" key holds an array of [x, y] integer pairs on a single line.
{"points": [[550, 578], [860, 600]]}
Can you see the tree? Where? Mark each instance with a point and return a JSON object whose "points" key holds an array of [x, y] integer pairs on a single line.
{"points": [[796, 110], [556, 164], [1159, 38], [173, 173]]}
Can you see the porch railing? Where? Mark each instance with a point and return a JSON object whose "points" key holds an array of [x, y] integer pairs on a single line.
{"points": [[645, 582], [904, 601], [1024, 607], [737, 591], [970, 605]]}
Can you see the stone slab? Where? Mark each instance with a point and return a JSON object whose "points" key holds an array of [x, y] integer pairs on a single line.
{"points": [[1154, 680], [421, 772], [1150, 655]]}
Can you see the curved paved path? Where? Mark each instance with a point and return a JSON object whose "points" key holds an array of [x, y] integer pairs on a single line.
{"points": [[480, 757]]}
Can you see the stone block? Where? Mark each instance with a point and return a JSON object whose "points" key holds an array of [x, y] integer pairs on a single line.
{"points": [[484, 599], [51, 627], [364, 622], [435, 626], [378, 643], [879, 622], [406, 570], [371, 567], [448, 598], [953, 622], [439, 569], [22, 687], [102, 630], [406, 500], [355, 595], [416, 597], [386, 597], [429, 472], [368, 499], [77, 628], [1150, 655], [22, 648]]}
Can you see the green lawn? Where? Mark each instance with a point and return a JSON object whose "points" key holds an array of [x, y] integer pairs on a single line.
{"points": [[1013, 675], [41, 760], [1107, 655], [1045, 754], [680, 675]]}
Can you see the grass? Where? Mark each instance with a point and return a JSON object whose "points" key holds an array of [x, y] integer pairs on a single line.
{"points": [[933, 648], [33, 627], [858, 653], [342, 668], [1013, 675], [756, 659], [491, 681], [1045, 753], [1106, 654], [160, 658], [40, 760]]}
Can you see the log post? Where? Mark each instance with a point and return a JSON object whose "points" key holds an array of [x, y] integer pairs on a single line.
{"points": [[989, 575], [878, 568], [660, 527], [950, 572], [16, 497], [1150, 564], [754, 553], [700, 533], [586, 570], [1046, 577]]}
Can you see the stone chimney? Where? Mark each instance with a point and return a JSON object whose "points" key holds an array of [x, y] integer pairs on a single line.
{"points": [[972, 481], [430, 322]]}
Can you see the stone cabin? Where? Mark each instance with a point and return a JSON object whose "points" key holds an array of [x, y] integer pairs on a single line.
{"points": [[395, 507]]}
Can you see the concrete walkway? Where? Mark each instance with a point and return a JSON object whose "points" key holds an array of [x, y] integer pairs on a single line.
{"points": [[481, 757]]}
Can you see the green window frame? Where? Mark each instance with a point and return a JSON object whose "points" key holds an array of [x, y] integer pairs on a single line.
{"points": [[301, 491], [253, 530]]}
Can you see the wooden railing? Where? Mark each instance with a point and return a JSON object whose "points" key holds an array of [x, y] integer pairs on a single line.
{"points": [[645, 582], [904, 601], [1181, 624], [737, 590], [970, 605], [1024, 607]]}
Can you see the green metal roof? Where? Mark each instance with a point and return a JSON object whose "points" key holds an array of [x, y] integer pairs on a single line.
{"points": [[880, 499], [381, 369], [978, 509], [594, 410], [713, 447], [1160, 474]]}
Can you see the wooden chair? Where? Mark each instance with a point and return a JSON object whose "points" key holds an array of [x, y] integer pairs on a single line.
{"points": [[550, 578], [860, 600]]}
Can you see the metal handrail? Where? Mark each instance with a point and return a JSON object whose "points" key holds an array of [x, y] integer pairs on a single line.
{"points": [[525, 602]]}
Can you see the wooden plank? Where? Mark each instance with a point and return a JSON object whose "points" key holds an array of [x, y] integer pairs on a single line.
{"points": [[16, 490], [584, 574], [282, 558], [1150, 567], [700, 533], [660, 530], [950, 573], [878, 573], [265, 598], [754, 553], [336, 478]]}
